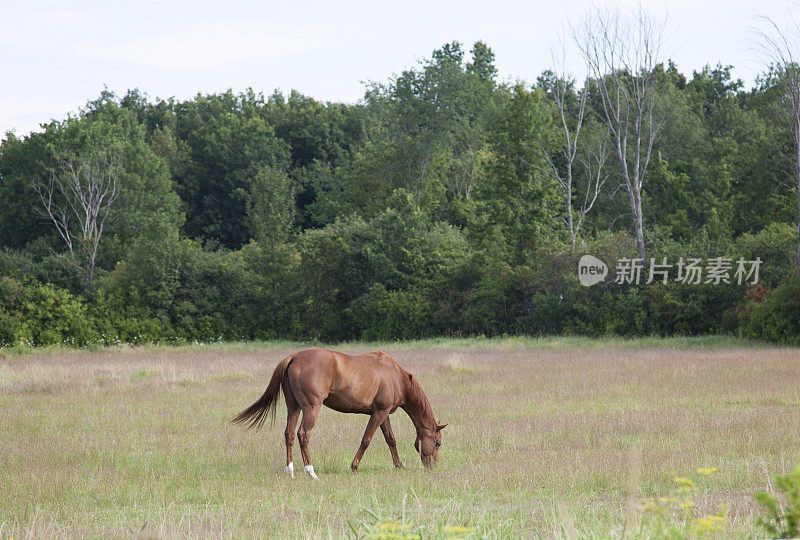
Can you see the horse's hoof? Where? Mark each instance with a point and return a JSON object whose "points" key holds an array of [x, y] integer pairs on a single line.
{"points": [[310, 472], [399, 466], [354, 469], [289, 470]]}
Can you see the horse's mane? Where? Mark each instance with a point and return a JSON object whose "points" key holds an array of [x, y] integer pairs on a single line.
{"points": [[418, 397]]}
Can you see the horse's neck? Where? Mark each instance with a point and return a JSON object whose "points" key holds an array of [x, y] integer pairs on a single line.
{"points": [[419, 410]]}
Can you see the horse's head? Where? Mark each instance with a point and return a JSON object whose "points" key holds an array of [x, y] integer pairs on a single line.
{"points": [[428, 443]]}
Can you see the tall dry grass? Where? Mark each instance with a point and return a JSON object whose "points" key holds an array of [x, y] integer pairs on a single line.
{"points": [[554, 441]]}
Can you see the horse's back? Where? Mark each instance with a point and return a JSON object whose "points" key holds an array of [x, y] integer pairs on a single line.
{"points": [[349, 382]]}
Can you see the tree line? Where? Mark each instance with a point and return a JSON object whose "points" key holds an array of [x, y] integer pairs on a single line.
{"points": [[445, 202]]}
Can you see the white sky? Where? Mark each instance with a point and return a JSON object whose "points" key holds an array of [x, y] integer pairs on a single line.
{"points": [[55, 55]]}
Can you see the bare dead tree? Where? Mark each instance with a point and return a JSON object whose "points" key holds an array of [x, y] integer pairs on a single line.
{"points": [[621, 51], [780, 46], [572, 117], [77, 197], [593, 161]]}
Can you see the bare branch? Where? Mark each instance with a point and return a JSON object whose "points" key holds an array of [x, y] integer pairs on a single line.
{"points": [[621, 50], [77, 197], [780, 47], [572, 109]]}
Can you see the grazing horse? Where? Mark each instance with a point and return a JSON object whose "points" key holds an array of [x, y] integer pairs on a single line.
{"points": [[372, 383]]}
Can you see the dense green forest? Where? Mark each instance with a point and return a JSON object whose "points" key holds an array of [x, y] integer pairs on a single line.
{"points": [[446, 202]]}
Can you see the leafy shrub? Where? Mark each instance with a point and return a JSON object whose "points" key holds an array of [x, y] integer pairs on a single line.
{"points": [[19, 266], [777, 317], [783, 512], [42, 315], [500, 302], [115, 322], [776, 246], [401, 249], [391, 315], [61, 273]]}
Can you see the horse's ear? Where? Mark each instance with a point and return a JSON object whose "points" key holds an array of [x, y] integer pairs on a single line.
{"points": [[440, 428]]}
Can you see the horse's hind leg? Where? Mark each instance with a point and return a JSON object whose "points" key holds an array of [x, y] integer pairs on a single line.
{"points": [[386, 428], [292, 414], [304, 436]]}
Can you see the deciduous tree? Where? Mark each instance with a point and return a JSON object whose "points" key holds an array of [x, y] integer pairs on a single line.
{"points": [[621, 50], [78, 197]]}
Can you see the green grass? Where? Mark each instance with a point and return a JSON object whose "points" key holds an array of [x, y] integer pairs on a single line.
{"points": [[556, 437]]}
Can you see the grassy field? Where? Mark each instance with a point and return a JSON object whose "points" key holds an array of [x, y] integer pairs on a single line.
{"points": [[548, 438]]}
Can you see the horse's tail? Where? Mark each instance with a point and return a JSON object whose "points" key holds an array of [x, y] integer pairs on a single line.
{"points": [[255, 414]]}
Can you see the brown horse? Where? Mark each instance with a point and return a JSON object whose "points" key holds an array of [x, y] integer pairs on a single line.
{"points": [[372, 383]]}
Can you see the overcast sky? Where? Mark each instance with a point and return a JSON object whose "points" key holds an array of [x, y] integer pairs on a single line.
{"points": [[58, 54]]}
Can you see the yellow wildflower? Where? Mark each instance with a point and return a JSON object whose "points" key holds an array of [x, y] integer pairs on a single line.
{"points": [[393, 526], [707, 524], [683, 481], [459, 530], [652, 507], [707, 471]]}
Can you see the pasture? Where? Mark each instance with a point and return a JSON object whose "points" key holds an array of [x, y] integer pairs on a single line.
{"points": [[546, 438]]}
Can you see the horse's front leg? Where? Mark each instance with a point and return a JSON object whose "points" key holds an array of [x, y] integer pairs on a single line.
{"points": [[386, 428], [376, 419]]}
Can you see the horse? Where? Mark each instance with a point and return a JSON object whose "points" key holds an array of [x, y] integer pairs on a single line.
{"points": [[371, 383]]}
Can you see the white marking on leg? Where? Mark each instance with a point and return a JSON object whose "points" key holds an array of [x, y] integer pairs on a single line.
{"points": [[290, 470], [310, 472]]}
